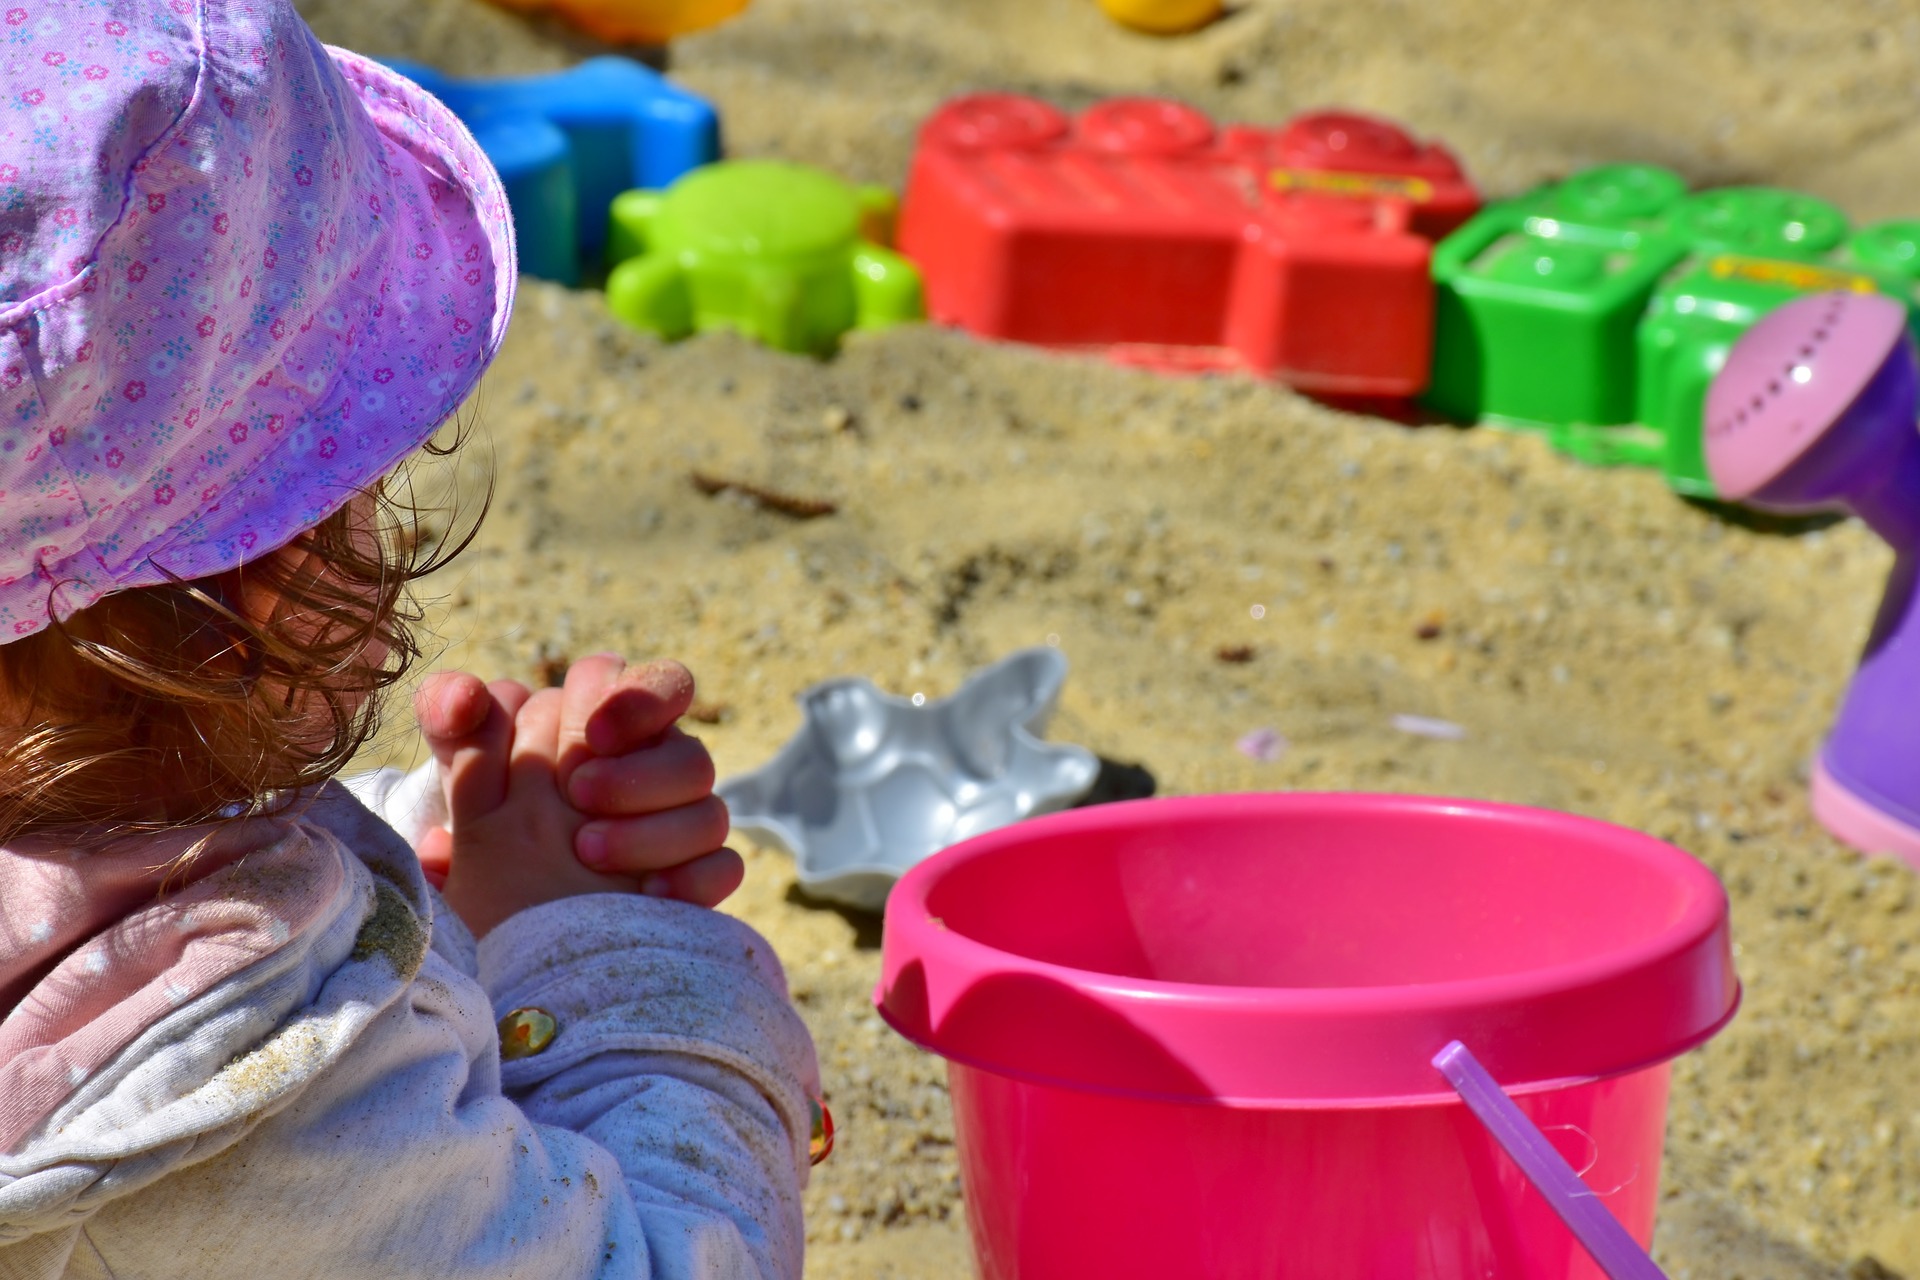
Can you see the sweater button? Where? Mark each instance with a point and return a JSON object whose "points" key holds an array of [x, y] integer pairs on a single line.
{"points": [[525, 1032]]}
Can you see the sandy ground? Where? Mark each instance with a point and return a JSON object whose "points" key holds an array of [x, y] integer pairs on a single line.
{"points": [[1608, 648]]}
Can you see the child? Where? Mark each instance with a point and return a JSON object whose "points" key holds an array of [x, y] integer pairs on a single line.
{"points": [[241, 277]]}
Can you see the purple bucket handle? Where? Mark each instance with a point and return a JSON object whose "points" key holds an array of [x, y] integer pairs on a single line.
{"points": [[1598, 1231]]}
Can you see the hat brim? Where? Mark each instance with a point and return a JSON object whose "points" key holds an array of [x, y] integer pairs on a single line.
{"points": [[411, 116], [287, 496]]}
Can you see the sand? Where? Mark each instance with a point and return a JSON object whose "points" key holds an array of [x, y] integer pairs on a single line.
{"points": [[1607, 648]]}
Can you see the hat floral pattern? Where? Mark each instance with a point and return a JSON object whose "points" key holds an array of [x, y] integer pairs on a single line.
{"points": [[241, 277]]}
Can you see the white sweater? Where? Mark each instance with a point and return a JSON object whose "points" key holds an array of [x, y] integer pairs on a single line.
{"points": [[338, 1106]]}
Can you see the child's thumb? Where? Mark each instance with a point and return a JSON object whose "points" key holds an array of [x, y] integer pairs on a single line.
{"points": [[642, 704]]}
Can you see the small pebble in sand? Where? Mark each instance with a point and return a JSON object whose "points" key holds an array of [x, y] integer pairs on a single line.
{"points": [[1428, 727], [1430, 627], [1264, 745]]}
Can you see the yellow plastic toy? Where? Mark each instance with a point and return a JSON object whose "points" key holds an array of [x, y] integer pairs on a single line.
{"points": [[1163, 17], [634, 21]]}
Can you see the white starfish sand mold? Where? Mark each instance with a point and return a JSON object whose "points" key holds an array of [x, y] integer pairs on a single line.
{"points": [[872, 784]]}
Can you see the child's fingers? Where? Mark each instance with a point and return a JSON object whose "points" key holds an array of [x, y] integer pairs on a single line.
{"points": [[452, 706], [449, 706], [436, 855], [654, 841], [587, 685], [473, 764], [672, 772], [706, 881], [510, 694], [642, 705], [536, 737]]}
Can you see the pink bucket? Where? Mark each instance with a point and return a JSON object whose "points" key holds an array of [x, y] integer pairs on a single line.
{"points": [[1194, 1037]]}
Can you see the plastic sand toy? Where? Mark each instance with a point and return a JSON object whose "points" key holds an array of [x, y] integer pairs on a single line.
{"points": [[1815, 410], [788, 255], [566, 144], [634, 21], [1696, 316], [1539, 298], [1163, 17], [1140, 230], [1225, 1010], [874, 783], [1599, 309]]}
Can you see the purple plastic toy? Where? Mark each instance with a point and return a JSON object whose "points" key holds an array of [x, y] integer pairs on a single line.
{"points": [[1815, 410], [1607, 1242]]}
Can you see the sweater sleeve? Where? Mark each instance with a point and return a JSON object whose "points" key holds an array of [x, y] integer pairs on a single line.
{"points": [[662, 1134], [409, 802], [679, 1052]]}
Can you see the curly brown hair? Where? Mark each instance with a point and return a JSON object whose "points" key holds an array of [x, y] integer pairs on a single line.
{"points": [[174, 704]]}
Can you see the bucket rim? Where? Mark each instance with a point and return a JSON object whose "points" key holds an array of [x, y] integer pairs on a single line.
{"points": [[1574, 1021], [1436, 1098]]}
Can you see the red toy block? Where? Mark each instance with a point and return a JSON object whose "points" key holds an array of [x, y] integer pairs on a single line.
{"points": [[1299, 253]]}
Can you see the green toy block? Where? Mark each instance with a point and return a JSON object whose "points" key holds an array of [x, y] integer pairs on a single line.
{"points": [[1763, 222], [1714, 296], [1536, 298], [631, 213], [783, 253], [1890, 251], [1690, 327], [886, 288]]}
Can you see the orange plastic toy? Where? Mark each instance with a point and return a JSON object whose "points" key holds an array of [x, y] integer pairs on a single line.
{"points": [[634, 21], [1163, 17]]}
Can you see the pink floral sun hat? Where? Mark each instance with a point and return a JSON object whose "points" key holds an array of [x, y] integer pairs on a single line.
{"points": [[241, 276]]}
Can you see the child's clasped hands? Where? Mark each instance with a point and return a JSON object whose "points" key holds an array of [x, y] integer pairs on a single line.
{"points": [[589, 788]]}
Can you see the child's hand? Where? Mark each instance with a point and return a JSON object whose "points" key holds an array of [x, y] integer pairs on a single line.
{"points": [[646, 783], [596, 767], [508, 843]]}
